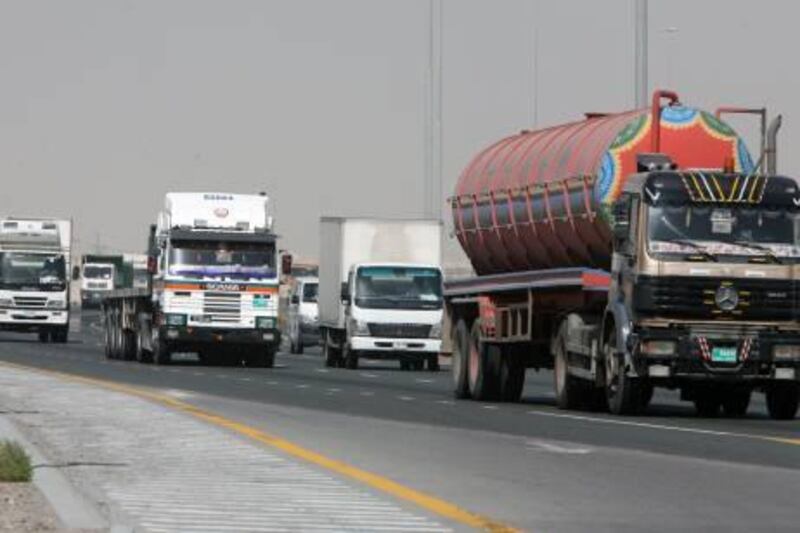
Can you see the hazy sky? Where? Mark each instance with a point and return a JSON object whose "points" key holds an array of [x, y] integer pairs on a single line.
{"points": [[106, 105]]}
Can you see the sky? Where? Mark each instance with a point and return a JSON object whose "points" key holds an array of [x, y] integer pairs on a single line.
{"points": [[106, 105]]}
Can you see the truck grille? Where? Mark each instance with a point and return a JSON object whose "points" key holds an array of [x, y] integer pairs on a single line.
{"points": [[695, 297], [400, 331], [30, 301], [222, 306]]}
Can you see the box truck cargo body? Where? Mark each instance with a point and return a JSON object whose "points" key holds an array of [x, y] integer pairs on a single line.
{"points": [[380, 290]]}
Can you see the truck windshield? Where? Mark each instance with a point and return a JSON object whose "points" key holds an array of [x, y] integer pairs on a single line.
{"points": [[222, 260], [310, 292], [379, 287], [32, 271], [741, 232], [97, 272]]}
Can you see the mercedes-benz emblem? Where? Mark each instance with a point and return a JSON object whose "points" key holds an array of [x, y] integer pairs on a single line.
{"points": [[727, 298]]}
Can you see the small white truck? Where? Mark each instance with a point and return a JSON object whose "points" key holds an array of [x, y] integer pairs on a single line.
{"points": [[34, 279], [214, 286], [380, 291]]}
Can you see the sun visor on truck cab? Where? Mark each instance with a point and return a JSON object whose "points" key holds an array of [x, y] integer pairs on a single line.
{"points": [[719, 188], [228, 236]]}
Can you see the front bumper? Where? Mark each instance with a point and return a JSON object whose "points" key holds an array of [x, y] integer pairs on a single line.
{"points": [[193, 335], [309, 333], [386, 346], [25, 320], [694, 358], [92, 298]]}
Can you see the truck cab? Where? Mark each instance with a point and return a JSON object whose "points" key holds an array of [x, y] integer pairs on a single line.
{"points": [[97, 279], [704, 291], [394, 311], [34, 284]]}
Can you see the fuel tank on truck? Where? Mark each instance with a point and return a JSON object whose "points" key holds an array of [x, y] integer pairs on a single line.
{"points": [[540, 199]]}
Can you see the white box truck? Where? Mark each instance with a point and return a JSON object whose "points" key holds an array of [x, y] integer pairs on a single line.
{"points": [[380, 291], [34, 276]]}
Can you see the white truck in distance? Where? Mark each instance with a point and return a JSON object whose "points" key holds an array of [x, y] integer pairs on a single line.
{"points": [[380, 291], [34, 280], [97, 279], [214, 285]]}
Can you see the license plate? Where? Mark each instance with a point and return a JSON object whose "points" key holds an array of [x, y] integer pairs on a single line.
{"points": [[723, 354]]}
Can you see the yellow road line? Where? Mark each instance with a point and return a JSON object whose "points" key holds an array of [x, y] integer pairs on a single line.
{"points": [[426, 501]]}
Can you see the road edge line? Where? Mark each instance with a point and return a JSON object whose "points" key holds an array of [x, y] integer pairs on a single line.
{"points": [[378, 482]]}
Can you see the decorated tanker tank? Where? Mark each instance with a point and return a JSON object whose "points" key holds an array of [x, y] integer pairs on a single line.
{"points": [[539, 199]]}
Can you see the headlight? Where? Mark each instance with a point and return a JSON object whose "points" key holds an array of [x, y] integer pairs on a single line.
{"points": [[786, 351], [57, 304], [653, 347], [174, 319], [6, 302], [359, 328], [436, 331], [265, 322]]}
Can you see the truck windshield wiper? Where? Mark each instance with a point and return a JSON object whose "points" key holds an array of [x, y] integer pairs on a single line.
{"points": [[760, 247], [701, 249]]}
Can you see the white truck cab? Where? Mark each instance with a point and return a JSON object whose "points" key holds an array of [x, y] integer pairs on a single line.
{"points": [[34, 280], [97, 279], [303, 314], [380, 293]]}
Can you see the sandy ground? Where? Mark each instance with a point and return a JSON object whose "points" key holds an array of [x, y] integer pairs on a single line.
{"points": [[24, 509]]}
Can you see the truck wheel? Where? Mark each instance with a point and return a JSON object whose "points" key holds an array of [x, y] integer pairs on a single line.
{"points": [[350, 358], [735, 403], [161, 355], [433, 363], [418, 364], [622, 391], [783, 400], [142, 355], [460, 364], [265, 358], [512, 376], [299, 347], [569, 393], [484, 359], [44, 336], [329, 353], [128, 345]]}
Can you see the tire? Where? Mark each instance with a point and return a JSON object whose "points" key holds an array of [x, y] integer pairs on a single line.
{"points": [[735, 403], [783, 400], [299, 346], [331, 354], [460, 364], [405, 365], [161, 353], [60, 335], [129, 338], [350, 358], [433, 363], [107, 335], [623, 392], [418, 365], [263, 358], [512, 376], [484, 374], [568, 390], [142, 355], [44, 336]]}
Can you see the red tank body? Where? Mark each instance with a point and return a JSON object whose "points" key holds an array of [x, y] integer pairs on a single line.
{"points": [[538, 199]]}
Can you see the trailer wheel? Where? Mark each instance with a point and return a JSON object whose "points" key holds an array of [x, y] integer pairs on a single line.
{"points": [[512, 376], [783, 400], [349, 357], [433, 363], [329, 353], [707, 403], [735, 402], [460, 364], [568, 389], [484, 374], [622, 391]]}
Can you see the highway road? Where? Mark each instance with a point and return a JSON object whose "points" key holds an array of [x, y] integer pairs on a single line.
{"points": [[529, 465]]}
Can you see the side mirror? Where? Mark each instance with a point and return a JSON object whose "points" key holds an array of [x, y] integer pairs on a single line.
{"points": [[295, 299], [621, 212], [152, 264], [76, 273], [286, 264], [345, 293]]}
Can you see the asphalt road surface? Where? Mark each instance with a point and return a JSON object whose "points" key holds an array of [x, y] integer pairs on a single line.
{"points": [[529, 464]]}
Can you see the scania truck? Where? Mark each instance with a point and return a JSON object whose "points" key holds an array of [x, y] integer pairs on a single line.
{"points": [[213, 288], [630, 251], [34, 279]]}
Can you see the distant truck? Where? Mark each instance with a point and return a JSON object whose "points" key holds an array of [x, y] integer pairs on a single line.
{"points": [[303, 314], [34, 277], [100, 274], [214, 286], [380, 291], [630, 251]]}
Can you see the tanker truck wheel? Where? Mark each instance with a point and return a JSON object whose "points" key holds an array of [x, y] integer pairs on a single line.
{"points": [[622, 391], [484, 371], [568, 389], [735, 402], [512, 375], [783, 400], [460, 365]]}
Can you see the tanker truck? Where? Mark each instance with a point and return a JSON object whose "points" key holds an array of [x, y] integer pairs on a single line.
{"points": [[629, 251], [213, 289]]}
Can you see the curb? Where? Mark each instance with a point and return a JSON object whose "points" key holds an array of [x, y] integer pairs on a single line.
{"points": [[74, 511]]}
